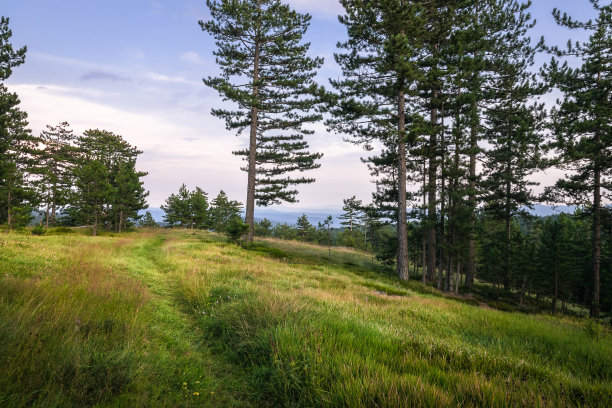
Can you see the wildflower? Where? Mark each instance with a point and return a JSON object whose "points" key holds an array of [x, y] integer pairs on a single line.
{"points": [[196, 393], [212, 393], [197, 382]]}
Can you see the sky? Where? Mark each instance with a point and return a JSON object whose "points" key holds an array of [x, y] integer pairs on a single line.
{"points": [[135, 68]]}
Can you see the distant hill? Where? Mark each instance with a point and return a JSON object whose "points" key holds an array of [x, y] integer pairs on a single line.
{"points": [[290, 217], [275, 216], [157, 213], [318, 215], [548, 210]]}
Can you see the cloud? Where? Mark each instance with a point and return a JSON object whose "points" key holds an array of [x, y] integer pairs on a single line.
{"points": [[99, 75], [325, 8], [192, 57], [135, 53], [156, 7], [154, 76]]}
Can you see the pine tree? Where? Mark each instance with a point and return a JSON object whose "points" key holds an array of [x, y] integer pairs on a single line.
{"points": [[188, 209], [93, 192], [304, 228], [236, 228], [558, 257], [478, 31], [9, 57], [379, 64], [582, 125], [440, 20], [176, 208], [198, 206], [147, 221], [131, 196], [56, 161], [223, 210], [109, 191], [263, 228], [16, 141], [284, 231], [514, 124], [267, 73], [352, 213], [325, 228]]}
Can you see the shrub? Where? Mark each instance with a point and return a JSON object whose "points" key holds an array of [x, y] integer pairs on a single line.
{"points": [[236, 228], [60, 231], [38, 230], [593, 329]]}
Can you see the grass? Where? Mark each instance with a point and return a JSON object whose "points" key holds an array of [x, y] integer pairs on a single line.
{"points": [[180, 318]]}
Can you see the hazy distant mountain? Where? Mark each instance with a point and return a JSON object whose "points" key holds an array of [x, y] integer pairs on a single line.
{"points": [[276, 216], [548, 210], [318, 215], [290, 217], [157, 213]]}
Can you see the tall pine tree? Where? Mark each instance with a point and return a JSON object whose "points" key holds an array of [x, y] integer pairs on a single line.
{"points": [[514, 123], [17, 144], [373, 101], [582, 124], [266, 71]]}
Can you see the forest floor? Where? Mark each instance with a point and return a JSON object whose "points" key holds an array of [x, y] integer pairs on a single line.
{"points": [[182, 318]]}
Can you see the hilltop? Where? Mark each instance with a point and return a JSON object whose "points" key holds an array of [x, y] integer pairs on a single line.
{"points": [[182, 318]]}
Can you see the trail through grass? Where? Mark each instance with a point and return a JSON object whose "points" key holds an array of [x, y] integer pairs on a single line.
{"points": [[97, 322], [180, 318]]}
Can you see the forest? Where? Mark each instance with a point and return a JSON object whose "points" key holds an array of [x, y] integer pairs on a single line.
{"points": [[446, 98]]}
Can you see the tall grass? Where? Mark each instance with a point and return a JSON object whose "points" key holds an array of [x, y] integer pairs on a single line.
{"points": [[326, 336], [182, 319]]}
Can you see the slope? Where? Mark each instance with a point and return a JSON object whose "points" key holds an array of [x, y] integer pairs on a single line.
{"points": [[181, 318]]}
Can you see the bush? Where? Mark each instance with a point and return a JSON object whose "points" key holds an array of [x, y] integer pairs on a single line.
{"points": [[60, 231], [236, 228], [38, 230], [593, 329]]}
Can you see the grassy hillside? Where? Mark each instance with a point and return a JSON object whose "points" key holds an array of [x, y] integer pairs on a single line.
{"points": [[184, 319]]}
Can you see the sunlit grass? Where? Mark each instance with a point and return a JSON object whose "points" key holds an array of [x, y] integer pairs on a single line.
{"points": [[181, 318]]}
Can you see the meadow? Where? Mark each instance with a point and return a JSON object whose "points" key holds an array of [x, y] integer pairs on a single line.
{"points": [[184, 319]]}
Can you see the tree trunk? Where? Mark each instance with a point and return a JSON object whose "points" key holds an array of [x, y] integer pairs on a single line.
{"points": [[53, 205], [458, 278], [48, 210], [471, 267], [451, 272], [508, 216], [424, 265], [556, 289], [403, 270], [9, 214], [442, 261], [95, 223], [596, 243], [432, 216], [471, 262], [252, 171]]}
